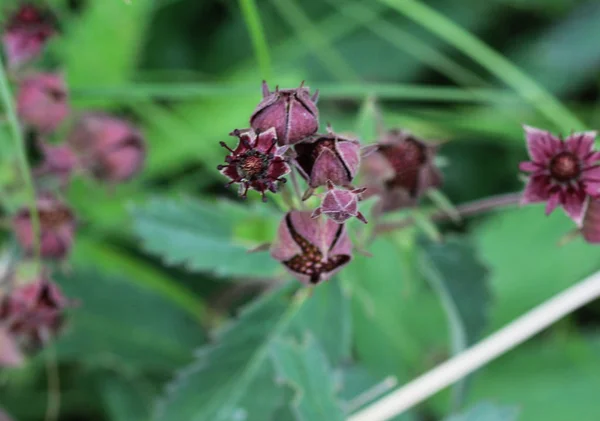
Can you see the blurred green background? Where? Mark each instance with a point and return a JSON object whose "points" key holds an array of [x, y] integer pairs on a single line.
{"points": [[187, 73]]}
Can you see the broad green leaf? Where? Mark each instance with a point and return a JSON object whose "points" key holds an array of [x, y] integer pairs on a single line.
{"points": [[551, 379], [487, 412], [461, 282], [200, 236], [399, 326], [125, 399], [120, 323], [303, 366], [527, 264], [326, 315], [225, 376]]}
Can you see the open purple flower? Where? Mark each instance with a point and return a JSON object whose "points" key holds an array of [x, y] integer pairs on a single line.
{"points": [[256, 163], [563, 173]]}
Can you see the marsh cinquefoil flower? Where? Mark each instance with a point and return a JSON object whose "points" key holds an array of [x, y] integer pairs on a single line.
{"points": [[563, 172], [256, 163]]}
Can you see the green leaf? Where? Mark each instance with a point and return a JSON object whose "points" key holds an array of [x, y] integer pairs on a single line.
{"points": [[326, 315], [549, 379], [487, 412], [304, 367], [122, 324], [228, 375], [200, 236], [388, 297], [460, 280], [527, 265], [125, 399]]}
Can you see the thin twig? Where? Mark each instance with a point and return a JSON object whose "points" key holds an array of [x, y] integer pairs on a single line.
{"points": [[53, 407], [485, 351], [475, 207]]}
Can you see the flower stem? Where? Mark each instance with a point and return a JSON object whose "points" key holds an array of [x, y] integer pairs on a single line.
{"points": [[19, 144], [466, 209], [482, 353], [257, 35]]}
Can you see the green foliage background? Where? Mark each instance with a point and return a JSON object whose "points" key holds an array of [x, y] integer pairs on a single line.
{"points": [[164, 330]]}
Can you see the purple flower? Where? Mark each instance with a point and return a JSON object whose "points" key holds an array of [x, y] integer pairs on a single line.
{"points": [[328, 157], [562, 172], [339, 205], [58, 161], [57, 228], [292, 112], [312, 250], [256, 163], [109, 148], [400, 170], [33, 312], [42, 101], [27, 33], [10, 354]]}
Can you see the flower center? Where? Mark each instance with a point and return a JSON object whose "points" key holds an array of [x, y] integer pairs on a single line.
{"points": [[51, 219], [253, 165], [565, 167]]}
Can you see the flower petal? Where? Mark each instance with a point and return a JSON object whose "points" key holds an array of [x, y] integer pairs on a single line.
{"points": [[574, 204], [536, 190], [591, 173], [592, 188], [529, 166], [541, 144], [581, 143], [553, 202], [592, 158]]}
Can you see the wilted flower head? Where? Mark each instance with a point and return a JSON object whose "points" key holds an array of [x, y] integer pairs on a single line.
{"points": [[57, 228], [256, 163], [58, 161], [400, 170], [328, 157], [562, 172], [109, 148], [339, 205], [292, 112], [42, 101], [33, 312], [312, 250], [26, 33]]}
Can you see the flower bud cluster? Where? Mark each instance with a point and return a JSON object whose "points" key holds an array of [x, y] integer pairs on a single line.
{"points": [[283, 137]]}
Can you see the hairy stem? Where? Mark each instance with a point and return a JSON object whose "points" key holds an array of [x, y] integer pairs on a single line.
{"points": [[466, 209], [19, 145], [482, 353]]}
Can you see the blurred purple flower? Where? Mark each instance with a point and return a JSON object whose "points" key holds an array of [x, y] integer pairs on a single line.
{"points": [[26, 34], [256, 163], [312, 250], [33, 312], [400, 170], [10, 354], [109, 148], [58, 161], [57, 228], [42, 101], [292, 112], [563, 173], [339, 205]]}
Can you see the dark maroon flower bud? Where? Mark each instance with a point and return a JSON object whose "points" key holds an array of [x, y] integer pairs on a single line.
{"points": [[33, 312], [256, 163], [328, 157], [10, 354], [292, 112], [59, 161], [400, 170], [26, 34], [57, 228], [563, 173], [109, 148], [42, 101], [312, 250], [339, 205]]}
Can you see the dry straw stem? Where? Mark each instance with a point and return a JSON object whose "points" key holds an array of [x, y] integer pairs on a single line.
{"points": [[485, 351]]}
